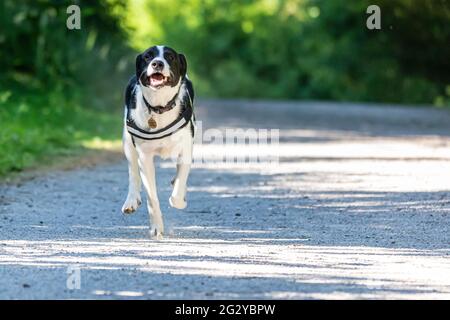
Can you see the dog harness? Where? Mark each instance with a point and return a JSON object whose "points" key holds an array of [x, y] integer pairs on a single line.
{"points": [[183, 119]]}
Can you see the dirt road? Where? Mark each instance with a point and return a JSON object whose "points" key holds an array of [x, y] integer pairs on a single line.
{"points": [[358, 206]]}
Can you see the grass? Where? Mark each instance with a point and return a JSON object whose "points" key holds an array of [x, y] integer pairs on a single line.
{"points": [[38, 128]]}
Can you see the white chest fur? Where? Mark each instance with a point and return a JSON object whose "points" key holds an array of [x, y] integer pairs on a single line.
{"points": [[141, 114], [168, 146]]}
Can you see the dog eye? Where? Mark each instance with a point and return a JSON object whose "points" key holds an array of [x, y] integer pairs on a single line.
{"points": [[170, 56], [147, 57]]}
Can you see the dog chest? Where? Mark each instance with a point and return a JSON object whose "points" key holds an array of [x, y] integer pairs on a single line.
{"points": [[167, 147]]}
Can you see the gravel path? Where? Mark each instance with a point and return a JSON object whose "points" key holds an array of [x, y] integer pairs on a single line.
{"points": [[357, 207]]}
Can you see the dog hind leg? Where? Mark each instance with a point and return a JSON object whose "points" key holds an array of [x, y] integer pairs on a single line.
{"points": [[178, 197], [147, 166]]}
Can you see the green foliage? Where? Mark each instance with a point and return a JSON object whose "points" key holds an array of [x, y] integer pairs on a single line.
{"points": [[304, 49], [35, 127], [49, 72], [39, 52], [297, 49], [289, 49]]}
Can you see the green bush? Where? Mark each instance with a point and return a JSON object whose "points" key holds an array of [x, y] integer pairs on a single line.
{"points": [[90, 65], [305, 49], [35, 127], [60, 87]]}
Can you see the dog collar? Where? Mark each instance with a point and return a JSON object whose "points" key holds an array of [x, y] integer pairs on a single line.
{"points": [[161, 109], [183, 119]]}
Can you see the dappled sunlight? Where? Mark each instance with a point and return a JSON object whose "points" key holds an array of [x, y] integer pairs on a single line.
{"points": [[97, 143], [341, 214], [297, 261], [303, 194], [397, 164]]}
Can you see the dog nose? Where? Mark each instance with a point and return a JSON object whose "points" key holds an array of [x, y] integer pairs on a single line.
{"points": [[157, 64]]}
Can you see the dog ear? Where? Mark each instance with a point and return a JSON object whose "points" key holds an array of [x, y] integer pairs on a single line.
{"points": [[183, 64], [139, 61]]}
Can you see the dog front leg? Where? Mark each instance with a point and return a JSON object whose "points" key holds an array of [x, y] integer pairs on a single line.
{"points": [[147, 167], [178, 197], [133, 200]]}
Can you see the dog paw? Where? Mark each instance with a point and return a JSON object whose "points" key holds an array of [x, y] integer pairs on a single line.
{"points": [[178, 203], [156, 233], [131, 205]]}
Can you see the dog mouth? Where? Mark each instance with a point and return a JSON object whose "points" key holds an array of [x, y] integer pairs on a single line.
{"points": [[157, 80]]}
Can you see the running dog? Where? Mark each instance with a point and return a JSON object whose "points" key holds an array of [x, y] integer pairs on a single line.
{"points": [[159, 121]]}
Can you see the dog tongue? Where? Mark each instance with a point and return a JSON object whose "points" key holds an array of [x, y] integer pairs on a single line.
{"points": [[156, 79], [157, 76]]}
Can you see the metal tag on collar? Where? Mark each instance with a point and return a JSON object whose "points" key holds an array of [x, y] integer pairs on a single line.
{"points": [[152, 123]]}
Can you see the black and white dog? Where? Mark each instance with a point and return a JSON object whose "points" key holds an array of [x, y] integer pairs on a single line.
{"points": [[159, 121]]}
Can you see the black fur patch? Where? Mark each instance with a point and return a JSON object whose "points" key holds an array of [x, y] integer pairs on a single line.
{"points": [[130, 97], [176, 61], [178, 67]]}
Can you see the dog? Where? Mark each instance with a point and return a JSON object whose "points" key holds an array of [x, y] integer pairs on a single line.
{"points": [[159, 121]]}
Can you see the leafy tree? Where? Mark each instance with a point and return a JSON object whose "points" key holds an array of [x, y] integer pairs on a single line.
{"points": [[307, 49], [39, 52]]}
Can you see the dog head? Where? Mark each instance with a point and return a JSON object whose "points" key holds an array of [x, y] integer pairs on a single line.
{"points": [[160, 66]]}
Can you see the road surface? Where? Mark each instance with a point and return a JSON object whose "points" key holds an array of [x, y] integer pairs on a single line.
{"points": [[356, 207]]}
